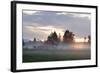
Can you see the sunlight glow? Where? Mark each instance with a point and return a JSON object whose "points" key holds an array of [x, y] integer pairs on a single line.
{"points": [[79, 40], [45, 30], [78, 46]]}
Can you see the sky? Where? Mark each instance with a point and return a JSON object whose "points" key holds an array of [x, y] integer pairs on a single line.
{"points": [[39, 24]]}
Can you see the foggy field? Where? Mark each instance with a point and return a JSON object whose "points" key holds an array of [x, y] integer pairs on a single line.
{"points": [[56, 54]]}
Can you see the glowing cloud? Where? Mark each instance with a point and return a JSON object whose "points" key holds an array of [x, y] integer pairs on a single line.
{"points": [[29, 12], [44, 30]]}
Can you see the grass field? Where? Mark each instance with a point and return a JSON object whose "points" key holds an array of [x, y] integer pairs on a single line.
{"points": [[54, 55]]}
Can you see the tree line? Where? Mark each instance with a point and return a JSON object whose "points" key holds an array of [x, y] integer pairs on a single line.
{"points": [[68, 37]]}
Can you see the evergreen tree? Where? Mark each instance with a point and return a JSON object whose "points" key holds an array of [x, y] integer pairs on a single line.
{"points": [[49, 38], [68, 37], [53, 37], [89, 39], [34, 40]]}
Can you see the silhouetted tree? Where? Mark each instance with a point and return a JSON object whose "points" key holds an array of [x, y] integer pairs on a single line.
{"points": [[53, 38], [89, 39], [49, 38], [85, 38], [34, 40], [68, 37]]}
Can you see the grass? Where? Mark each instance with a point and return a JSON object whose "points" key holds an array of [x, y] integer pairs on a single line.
{"points": [[34, 56]]}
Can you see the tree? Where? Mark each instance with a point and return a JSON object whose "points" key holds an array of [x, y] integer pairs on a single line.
{"points": [[89, 39], [49, 38], [53, 38], [34, 40], [85, 38], [68, 37]]}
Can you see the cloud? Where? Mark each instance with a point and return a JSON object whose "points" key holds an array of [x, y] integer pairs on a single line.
{"points": [[38, 31], [61, 13], [43, 20], [83, 16], [87, 15], [29, 12], [31, 32]]}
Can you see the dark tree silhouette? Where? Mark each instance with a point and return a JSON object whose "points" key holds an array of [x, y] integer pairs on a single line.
{"points": [[34, 40], [85, 38], [89, 39], [68, 37], [53, 38], [49, 38]]}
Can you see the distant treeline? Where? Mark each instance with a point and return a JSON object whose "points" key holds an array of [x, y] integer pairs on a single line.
{"points": [[68, 37]]}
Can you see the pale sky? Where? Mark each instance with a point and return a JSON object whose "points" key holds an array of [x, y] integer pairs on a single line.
{"points": [[39, 24]]}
